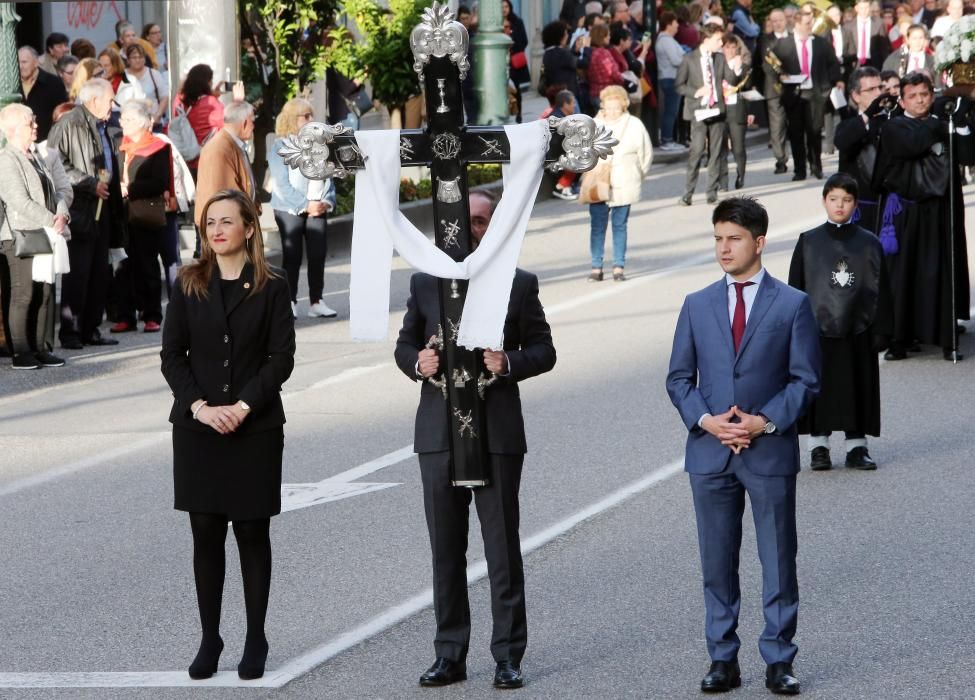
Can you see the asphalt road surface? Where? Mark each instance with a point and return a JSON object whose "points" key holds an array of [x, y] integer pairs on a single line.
{"points": [[96, 591]]}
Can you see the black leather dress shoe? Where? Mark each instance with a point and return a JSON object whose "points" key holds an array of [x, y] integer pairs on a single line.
{"points": [[444, 672], [684, 201], [780, 679], [99, 340], [820, 459], [798, 176], [712, 198], [508, 675], [72, 344], [859, 458], [817, 173], [780, 168], [951, 355], [895, 354], [721, 677], [739, 182]]}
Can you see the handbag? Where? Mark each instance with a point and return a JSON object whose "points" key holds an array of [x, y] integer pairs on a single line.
{"points": [[595, 188], [27, 243], [147, 213], [359, 102], [519, 60]]}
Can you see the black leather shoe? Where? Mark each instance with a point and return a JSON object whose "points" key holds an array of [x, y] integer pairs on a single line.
{"points": [[444, 672], [780, 679], [817, 173], [739, 182], [722, 677], [99, 340], [205, 663], [895, 354], [684, 201], [859, 458], [820, 459], [712, 198], [72, 344], [251, 666], [508, 675], [951, 355], [780, 168], [798, 176]]}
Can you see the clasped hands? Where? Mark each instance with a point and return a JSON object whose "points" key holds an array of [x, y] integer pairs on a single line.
{"points": [[737, 435], [428, 361], [223, 419]]}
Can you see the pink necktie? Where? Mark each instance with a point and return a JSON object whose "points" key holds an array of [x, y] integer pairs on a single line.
{"points": [[710, 78], [863, 43], [916, 64], [805, 57]]}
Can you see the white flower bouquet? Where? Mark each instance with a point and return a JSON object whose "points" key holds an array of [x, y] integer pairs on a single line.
{"points": [[958, 44]]}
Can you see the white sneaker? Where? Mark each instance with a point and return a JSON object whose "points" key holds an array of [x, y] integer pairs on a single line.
{"points": [[320, 310], [565, 193], [294, 310]]}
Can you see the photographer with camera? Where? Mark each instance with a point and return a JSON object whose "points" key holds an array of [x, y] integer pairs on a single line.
{"points": [[857, 138]]}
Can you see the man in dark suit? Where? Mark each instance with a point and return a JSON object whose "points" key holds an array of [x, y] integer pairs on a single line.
{"points": [[771, 87], [865, 41], [744, 367], [40, 90], [699, 79], [813, 70], [528, 351]]}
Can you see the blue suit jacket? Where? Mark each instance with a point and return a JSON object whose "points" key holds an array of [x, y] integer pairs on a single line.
{"points": [[775, 373]]}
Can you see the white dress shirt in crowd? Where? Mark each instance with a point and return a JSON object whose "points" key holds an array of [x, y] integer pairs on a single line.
{"points": [[838, 42]]}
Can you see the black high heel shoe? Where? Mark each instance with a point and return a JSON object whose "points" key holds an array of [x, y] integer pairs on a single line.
{"points": [[207, 658], [251, 666]]}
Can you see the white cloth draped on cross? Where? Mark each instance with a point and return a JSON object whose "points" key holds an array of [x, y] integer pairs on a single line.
{"points": [[379, 227]]}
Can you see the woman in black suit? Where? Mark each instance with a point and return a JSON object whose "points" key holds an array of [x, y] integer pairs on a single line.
{"points": [[228, 346]]}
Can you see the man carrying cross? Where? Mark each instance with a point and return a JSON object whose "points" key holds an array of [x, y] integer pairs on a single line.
{"points": [[527, 352]]}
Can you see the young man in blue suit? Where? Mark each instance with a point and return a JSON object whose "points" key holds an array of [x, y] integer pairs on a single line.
{"points": [[745, 365]]}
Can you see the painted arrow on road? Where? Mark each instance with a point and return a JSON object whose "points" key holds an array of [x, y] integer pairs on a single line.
{"points": [[341, 486]]}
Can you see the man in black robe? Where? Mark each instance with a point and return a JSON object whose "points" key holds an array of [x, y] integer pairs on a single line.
{"points": [[857, 138], [913, 170], [841, 267]]}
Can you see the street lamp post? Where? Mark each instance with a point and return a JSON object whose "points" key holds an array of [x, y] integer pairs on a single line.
{"points": [[491, 47], [9, 66]]}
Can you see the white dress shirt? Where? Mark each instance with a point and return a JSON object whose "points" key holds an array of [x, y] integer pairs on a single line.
{"points": [[838, 43], [748, 293], [863, 25]]}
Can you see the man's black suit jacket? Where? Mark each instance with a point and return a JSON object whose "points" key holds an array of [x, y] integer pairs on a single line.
{"points": [[48, 92], [527, 342], [825, 70]]}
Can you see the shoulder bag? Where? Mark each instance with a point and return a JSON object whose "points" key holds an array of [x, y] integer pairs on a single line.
{"points": [[27, 243]]}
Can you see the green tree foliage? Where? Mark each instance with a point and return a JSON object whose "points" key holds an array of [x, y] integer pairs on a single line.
{"points": [[382, 53], [289, 34]]}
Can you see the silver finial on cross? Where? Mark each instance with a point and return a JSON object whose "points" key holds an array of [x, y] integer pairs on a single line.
{"points": [[439, 35]]}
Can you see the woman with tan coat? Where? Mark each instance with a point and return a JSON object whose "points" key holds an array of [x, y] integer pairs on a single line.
{"points": [[630, 163]]}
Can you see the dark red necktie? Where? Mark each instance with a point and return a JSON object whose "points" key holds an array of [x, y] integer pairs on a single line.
{"points": [[738, 320]]}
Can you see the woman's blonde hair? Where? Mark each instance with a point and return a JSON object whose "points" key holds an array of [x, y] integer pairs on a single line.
{"points": [[195, 279], [118, 65], [287, 122], [614, 92], [87, 67]]}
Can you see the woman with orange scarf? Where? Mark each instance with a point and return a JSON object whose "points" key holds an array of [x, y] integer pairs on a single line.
{"points": [[147, 181]]}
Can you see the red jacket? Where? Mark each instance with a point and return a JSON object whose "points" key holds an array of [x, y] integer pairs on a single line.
{"points": [[603, 71]]}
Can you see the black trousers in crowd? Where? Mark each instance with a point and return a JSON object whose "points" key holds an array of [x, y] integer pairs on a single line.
{"points": [[138, 279], [777, 128], [309, 231], [83, 290], [805, 117], [25, 302], [446, 509]]}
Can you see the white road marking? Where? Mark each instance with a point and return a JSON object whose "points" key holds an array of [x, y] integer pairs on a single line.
{"points": [[335, 488], [313, 658]]}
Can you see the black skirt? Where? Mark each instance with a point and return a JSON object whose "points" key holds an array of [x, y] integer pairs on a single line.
{"points": [[236, 475], [849, 395]]}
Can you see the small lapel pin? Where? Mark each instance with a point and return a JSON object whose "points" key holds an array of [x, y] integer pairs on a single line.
{"points": [[247, 285]]}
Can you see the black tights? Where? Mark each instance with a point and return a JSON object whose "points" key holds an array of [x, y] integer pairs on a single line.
{"points": [[209, 565]]}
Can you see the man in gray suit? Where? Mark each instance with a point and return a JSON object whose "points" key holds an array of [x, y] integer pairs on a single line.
{"points": [[744, 367], [699, 80], [865, 41], [772, 87]]}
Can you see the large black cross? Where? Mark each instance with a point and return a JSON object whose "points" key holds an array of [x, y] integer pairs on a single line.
{"points": [[447, 146]]}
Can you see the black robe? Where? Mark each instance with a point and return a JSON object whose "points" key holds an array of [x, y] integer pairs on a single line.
{"points": [[857, 142], [855, 320], [920, 270]]}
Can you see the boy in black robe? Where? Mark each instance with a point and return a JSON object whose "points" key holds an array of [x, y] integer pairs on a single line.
{"points": [[841, 267]]}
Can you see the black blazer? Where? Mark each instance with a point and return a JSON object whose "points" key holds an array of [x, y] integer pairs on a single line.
{"points": [[825, 70], [225, 350], [527, 342], [48, 92], [149, 177]]}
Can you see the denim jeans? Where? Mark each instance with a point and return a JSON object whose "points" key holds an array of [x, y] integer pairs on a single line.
{"points": [[599, 215], [669, 117]]}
